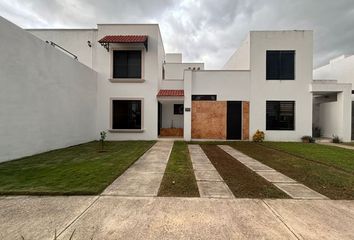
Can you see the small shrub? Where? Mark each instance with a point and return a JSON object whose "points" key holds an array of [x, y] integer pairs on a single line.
{"points": [[258, 136], [308, 139], [103, 137], [336, 139]]}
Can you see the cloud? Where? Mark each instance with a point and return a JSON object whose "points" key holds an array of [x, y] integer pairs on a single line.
{"points": [[203, 30]]}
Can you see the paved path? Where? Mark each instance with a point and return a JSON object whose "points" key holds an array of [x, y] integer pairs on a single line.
{"points": [[144, 177], [289, 186], [336, 145], [113, 217], [210, 183]]}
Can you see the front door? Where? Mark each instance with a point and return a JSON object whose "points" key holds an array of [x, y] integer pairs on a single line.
{"points": [[159, 118], [234, 120]]}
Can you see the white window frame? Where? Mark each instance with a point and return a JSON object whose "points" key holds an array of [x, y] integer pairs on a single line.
{"points": [[127, 80], [111, 114]]}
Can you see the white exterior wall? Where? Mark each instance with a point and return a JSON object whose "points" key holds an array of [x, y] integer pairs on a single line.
{"points": [[288, 90], [340, 69], [73, 40], [227, 85], [146, 90], [169, 119], [176, 70], [47, 99], [173, 58], [328, 119], [172, 84], [240, 60]]}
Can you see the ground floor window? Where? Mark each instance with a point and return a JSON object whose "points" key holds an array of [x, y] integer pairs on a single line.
{"points": [[178, 109], [126, 114], [280, 115]]}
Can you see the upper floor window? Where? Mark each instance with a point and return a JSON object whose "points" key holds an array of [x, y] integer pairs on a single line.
{"points": [[203, 97], [127, 64], [280, 115], [280, 65]]}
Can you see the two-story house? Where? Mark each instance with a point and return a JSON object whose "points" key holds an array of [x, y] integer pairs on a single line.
{"points": [[145, 93], [63, 86]]}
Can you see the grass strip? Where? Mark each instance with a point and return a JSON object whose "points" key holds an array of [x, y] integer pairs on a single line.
{"points": [[336, 157], [243, 182], [179, 179], [329, 181], [76, 170]]}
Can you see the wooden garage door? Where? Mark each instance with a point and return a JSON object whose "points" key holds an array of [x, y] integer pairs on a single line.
{"points": [[209, 119]]}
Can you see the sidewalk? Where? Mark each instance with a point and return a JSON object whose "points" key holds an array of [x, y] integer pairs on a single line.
{"points": [[112, 217]]}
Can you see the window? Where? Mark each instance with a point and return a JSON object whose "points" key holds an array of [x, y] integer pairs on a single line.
{"points": [[280, 115], [203, 97], [178, 109], [126, 114], [126, 64], [280, 65]]}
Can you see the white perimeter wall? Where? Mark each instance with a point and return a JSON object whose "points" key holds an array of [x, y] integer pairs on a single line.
{"points": [[47, 99], [75, 41]]}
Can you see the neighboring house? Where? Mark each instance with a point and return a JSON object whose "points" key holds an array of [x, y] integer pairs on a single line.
{"points": [[143, 93], [341, 69]]}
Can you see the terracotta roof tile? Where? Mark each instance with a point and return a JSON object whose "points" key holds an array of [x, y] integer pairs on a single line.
{"points": [[171, 93], [123, 39]]}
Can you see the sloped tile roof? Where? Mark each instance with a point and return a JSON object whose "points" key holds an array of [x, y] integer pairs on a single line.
{"points": [[124, 39], [171, 93]]}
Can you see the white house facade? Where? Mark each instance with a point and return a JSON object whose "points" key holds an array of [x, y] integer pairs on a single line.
{"points": [[139, 92]]}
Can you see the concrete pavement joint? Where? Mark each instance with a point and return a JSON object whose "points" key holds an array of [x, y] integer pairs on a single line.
{"points": [[80, 215], [279, 217]]}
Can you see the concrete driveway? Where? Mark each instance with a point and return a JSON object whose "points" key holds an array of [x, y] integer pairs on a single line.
{"points": [[113, 217]]}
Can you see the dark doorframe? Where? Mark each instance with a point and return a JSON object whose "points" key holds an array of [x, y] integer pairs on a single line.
{"points": [[234, 120], [353, 120], [159, 118]]}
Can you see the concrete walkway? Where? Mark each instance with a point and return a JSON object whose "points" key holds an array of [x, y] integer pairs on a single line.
{"points": [[210, 183], [289, 186], [144, 177], [112, 217], [336, 145]]}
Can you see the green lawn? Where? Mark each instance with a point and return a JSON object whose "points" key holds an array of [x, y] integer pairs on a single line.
{"points": [[179, 179], [330, 155], [321, 168], [80, 169]]}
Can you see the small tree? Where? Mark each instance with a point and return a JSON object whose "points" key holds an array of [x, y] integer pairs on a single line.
{"points": [[102, 139]]}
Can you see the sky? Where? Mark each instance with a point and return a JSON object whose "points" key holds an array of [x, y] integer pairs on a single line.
{"points": [[202, 30]]}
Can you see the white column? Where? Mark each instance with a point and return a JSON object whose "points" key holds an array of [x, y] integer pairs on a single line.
{"points": [[345, 114], [188, 75]]}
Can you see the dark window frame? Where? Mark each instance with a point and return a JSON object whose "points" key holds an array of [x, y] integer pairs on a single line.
{"points": [[278, 118], [280, 64], [204, 97], [120, 118], [131, 65], [178, 108]]}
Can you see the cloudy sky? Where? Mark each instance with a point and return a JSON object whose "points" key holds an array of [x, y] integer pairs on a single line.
{"points": [[203, 30]]}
